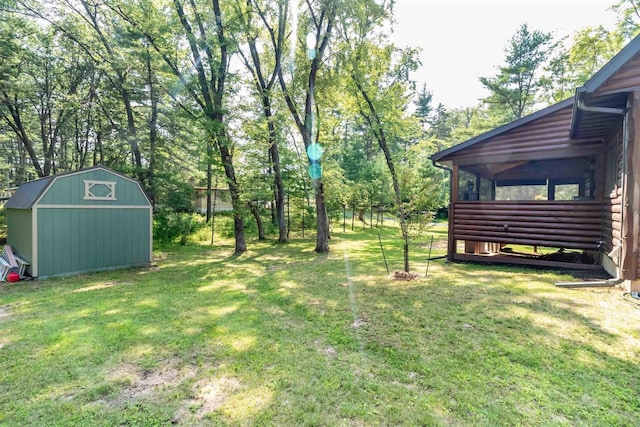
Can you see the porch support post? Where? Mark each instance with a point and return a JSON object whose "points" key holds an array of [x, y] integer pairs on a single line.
{"points": [[631, 187], [455, 184], [598, 190]]}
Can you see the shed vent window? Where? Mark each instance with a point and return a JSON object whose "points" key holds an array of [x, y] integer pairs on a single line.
{"points": [[99, 190]]}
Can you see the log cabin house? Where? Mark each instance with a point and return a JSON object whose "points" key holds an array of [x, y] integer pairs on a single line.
{"points": [[566, 178]]}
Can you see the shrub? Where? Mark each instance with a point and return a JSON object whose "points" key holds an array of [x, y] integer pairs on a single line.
{"points": [[169, 226]]}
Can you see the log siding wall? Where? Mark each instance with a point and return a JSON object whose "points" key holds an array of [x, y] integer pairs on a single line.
{"points": [[627, 77], [529, 141], [559, 224], [612, 206], [631, 205]]}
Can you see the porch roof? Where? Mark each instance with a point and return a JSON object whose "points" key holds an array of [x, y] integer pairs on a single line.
{"points": [[605, 95], [504, 129]]}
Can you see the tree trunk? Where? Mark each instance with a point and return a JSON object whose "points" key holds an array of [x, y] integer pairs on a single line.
{"points": [[304, 121], [209, 177], [277, 177], [404, 229], [406, 254], [153, 133], [274, 156], [238, 220], [264, 88], [361, 215], [256, 215], [323, 236], [132, 132], [14, 120]]}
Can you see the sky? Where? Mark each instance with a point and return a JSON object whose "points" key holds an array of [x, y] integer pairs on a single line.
{"points": [[463, 40]]}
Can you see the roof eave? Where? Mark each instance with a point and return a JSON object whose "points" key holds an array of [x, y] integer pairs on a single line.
{"points": [[611, 67], [575, 114], [437, 157]]}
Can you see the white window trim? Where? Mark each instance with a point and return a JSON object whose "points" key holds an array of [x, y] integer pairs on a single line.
{"points": [[89, 184]]}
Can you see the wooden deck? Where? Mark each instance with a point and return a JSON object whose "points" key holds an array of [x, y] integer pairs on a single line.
{"points": [[515, 260]]}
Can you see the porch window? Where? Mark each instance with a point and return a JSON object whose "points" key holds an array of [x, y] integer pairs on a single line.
{"points": [[474, 187], [486, 189], [563, 179], [567, 192], [521, 189], [468, 186]]}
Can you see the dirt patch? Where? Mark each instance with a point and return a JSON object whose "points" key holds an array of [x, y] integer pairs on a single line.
{"points": [[329, 352], [138, 383], [101, 286], [5, 312], [325, 349], [160, 256], [358, 323], [149, 382], [403, 275], [212, 394]]}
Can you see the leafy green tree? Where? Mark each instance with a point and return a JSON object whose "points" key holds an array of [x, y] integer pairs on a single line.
{"points": [[570, 67], [99, 32], [274, 18], [514, 90], [439, 123], [559, 82], [423, 105], [379, 82], [47, 96], [628, 24], [204, 28], [317, 24], [16, 33], [592, 48]]}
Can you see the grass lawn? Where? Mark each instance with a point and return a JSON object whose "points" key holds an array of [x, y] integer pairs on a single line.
{"points": [[283, 336]]}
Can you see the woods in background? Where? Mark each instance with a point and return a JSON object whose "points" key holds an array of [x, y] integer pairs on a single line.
{"points": [[269, 98]]}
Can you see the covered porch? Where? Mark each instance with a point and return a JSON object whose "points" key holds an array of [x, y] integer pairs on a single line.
{"points": [[532, 193], [565, 177]]}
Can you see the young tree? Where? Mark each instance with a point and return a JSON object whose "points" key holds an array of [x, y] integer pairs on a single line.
{"points": [[379, 78]]}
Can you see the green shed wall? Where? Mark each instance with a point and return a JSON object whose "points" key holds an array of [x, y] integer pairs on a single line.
{"points": [[77, 240], [19, 233], [69, 190]]}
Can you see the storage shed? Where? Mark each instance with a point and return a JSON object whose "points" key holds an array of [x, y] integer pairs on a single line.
{"points": [[83, 221]]}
